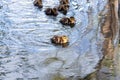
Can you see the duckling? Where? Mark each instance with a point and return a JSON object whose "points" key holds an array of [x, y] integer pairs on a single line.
{"points": [[51, 12], [68, 21], [64, 21], [63, 9], [64, 2], [38, 3], [72, 21], [60, 40]]}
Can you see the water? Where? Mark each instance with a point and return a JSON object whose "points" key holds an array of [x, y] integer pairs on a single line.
{"points": [[26, 52]]}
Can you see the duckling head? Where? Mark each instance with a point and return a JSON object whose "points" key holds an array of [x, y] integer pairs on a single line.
{"points": [[38, 3], [54, 12], [72, 22], [64, 21], [64, 39], [64, 2], [48, 11], [55, 39], [72, 19], [63, 9]]}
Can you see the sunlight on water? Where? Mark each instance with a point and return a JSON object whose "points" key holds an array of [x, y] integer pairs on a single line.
{"points": [[25, 33]]}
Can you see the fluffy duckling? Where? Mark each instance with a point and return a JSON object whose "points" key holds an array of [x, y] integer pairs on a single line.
{"points": [[64, 2], [63, 9], [68, 21], [38, 3], [60, 40], [51, 12]]}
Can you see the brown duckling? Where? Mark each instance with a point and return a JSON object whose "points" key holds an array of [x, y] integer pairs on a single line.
{"points": [[63, 9], [64, 2], [68, 21], [51, 12], [60, 40], [38, 3]]}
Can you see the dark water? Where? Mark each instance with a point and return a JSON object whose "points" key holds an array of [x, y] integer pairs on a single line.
{"points": [[26, 52]]}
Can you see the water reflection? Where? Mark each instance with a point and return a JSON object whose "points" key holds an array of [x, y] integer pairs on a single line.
{"points": [[25, 33]]}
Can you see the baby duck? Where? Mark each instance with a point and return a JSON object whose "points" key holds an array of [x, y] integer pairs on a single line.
{"points": [[51, 12], [60, 40], [65, 2], [68, 21], [38, 3], [63, 9]]}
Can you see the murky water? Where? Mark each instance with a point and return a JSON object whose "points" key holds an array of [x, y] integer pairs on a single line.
{"points": [[25, 46]]}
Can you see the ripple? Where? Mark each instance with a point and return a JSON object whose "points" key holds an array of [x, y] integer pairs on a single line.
{"points": [[25, 33], [3, 49]]}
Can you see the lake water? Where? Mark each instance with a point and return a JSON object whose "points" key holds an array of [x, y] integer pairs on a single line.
{"points": [[26, 52]]}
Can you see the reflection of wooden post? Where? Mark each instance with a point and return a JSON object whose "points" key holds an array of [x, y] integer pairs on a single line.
{"points": [[119, 8], [119, 16], [110, 28], [117, 57], [110, 31]]}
